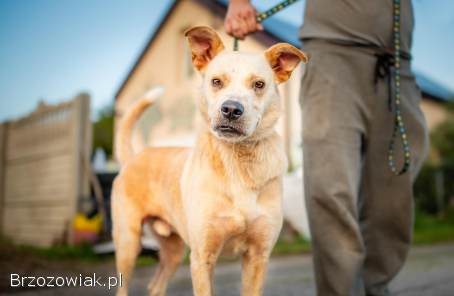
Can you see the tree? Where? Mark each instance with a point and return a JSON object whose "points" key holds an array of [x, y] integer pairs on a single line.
{"points": [[442, 139], [434, 188], [103, 130]]}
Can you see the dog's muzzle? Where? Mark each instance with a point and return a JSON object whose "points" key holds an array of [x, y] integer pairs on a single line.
{"points": [[229, 124], [228, 131]]}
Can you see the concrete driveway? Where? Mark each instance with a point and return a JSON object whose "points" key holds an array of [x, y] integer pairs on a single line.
{"points": [[429, 271]]}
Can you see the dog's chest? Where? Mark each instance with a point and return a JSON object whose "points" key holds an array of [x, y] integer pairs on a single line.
{"points": [[245, 212], [245, 202]]}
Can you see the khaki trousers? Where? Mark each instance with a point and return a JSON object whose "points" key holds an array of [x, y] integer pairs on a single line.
{"points": [[360, 213]]}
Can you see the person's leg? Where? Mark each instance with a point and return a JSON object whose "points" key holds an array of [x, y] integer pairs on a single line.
{"points": [[387, 209], [333, 125]]}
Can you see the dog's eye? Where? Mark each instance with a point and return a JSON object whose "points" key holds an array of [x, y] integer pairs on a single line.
{"points": [[216, 82], [259, 84]]}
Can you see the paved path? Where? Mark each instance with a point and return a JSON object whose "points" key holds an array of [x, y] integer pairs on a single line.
{"points": [[428, 272]]}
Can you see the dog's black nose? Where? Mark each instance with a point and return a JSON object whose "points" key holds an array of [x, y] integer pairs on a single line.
{"points": [[232, 110]]}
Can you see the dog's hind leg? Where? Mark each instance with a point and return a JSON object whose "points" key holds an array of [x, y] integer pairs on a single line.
{"points": [[170, 255], [126, 231]]}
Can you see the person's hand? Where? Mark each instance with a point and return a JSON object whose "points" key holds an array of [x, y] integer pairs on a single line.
{"points": [[241, 19]]}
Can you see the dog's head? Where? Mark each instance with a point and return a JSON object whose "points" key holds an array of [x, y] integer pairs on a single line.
{"points": [[239, 91]]}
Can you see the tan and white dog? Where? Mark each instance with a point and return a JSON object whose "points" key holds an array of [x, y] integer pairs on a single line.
{"points": [[224, 194]]}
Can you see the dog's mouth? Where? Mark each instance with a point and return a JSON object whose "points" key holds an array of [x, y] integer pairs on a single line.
{"points": [[228, 130]]}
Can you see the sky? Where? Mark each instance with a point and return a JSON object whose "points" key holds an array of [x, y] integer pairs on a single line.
{"points": [[51, 50]]}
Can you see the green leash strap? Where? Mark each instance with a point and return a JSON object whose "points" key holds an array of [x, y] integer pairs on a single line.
{"points": [[266, 14], [399, 126]]}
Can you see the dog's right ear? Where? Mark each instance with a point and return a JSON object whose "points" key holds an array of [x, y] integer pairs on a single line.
{"points": [[205, 44]]}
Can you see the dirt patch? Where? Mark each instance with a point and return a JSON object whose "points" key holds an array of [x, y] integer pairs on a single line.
{"points": [[27, 261]]}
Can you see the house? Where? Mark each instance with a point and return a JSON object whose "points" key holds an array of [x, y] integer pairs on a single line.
{"points": [[166, 61], [434, 96]]}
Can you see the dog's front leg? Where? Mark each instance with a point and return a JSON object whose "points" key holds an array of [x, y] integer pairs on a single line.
{"points": [[207, 245], [261, 237], [203, 260], [255, 262], [262, 234], [202, 267]]}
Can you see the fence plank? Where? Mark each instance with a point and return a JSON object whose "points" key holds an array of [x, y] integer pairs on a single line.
{"points": [[41, 171], [81, 126]]}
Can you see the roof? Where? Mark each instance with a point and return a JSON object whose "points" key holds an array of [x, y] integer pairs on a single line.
{"points": [[153, 36], [280, 30], [433, 89]]}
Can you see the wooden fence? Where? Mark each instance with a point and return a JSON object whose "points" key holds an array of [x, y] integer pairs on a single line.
{"points": [[42, 173]]}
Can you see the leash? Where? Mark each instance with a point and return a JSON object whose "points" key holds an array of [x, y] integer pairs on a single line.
{"points": [[385, 61], [266, 14], [399, 126], [387, 67]]}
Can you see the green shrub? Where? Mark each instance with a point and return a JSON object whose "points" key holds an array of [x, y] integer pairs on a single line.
{"points": [[432, 229], [425, 191], [434, 186]]}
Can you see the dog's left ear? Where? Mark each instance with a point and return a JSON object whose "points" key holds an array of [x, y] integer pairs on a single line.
{"points": [[205, 44], [283, 59]]}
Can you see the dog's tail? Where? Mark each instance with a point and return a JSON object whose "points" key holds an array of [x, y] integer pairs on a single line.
{"points": [[123, 141]]}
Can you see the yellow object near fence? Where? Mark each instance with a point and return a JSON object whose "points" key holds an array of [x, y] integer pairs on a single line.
{"points": [[86, 229]]}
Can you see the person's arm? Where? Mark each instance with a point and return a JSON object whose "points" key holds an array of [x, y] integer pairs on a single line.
{"points": [[241, 19]]}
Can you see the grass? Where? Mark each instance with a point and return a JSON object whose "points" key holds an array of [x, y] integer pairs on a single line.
{"points": [[428, 230], [433, 229], [59, 252], [296, 246], [83, 253], [145, 260]]}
